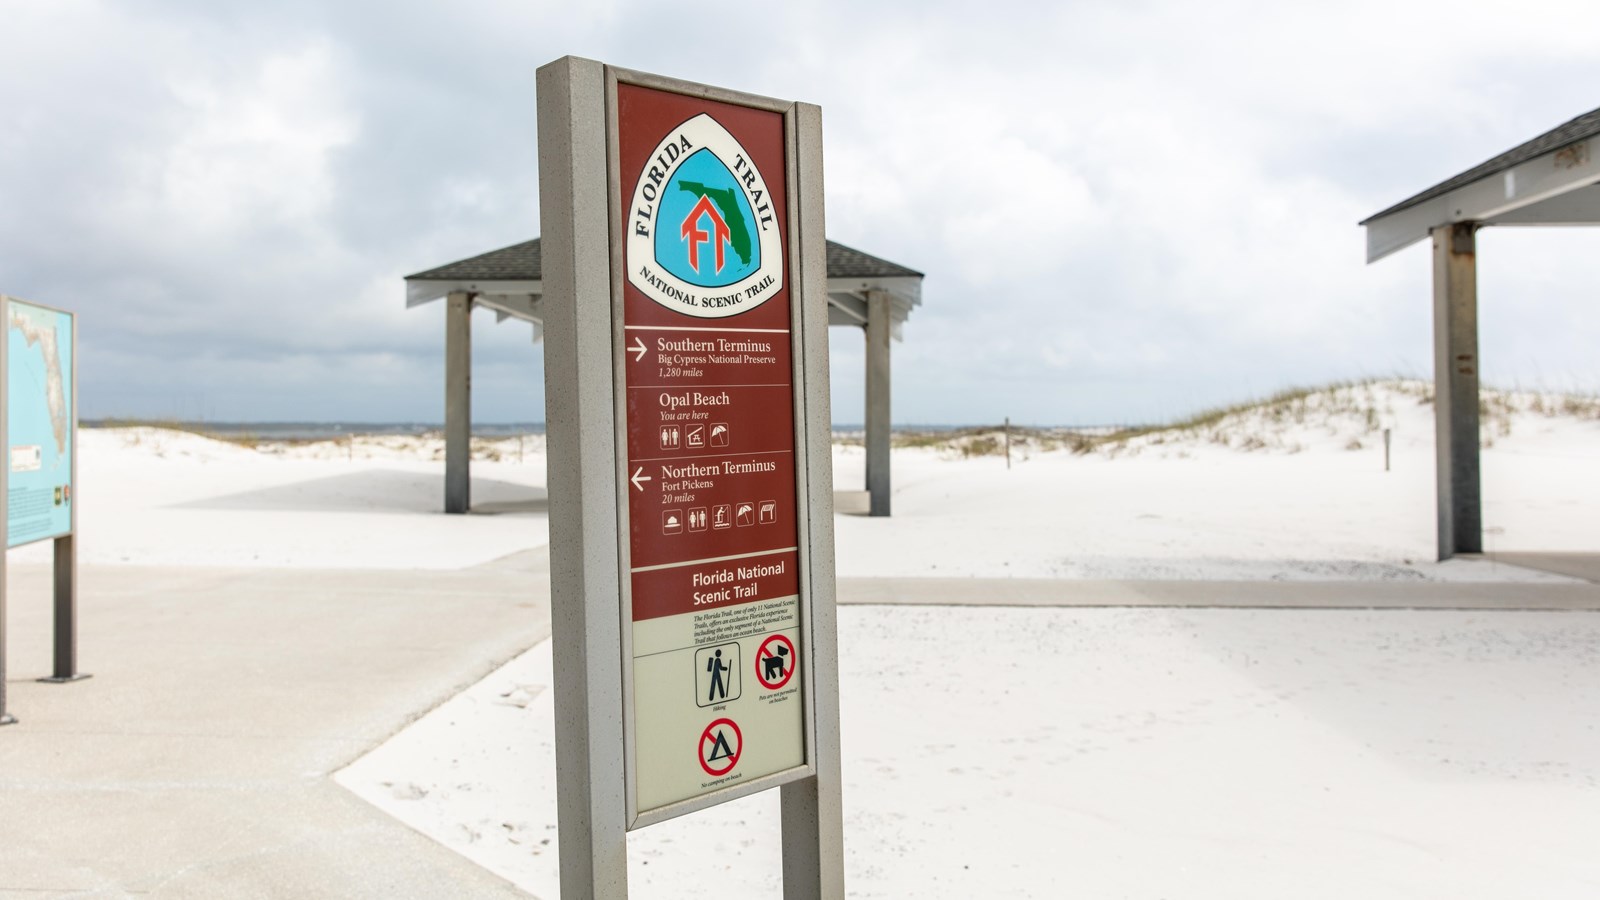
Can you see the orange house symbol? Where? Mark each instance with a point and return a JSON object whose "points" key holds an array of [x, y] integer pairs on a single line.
{"points": [[719, 236]]}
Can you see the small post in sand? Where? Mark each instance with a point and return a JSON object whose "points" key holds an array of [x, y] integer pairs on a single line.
{"points": [[1008, 442], [1386, 449]]}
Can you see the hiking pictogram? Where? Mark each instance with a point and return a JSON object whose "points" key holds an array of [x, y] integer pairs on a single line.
{"points": [[716, 674]]}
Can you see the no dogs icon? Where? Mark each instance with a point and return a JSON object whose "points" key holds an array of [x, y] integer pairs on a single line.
{"points": [[720, 746], [775, 662]]}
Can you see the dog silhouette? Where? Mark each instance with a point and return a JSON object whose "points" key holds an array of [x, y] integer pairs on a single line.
{"points": [[772, 666]]}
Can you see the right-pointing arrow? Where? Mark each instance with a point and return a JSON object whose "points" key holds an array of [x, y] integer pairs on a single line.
{"points": [[638, 351]]}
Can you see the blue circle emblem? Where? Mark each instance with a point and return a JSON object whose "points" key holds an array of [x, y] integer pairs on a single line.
{"points": [[704, 233]]}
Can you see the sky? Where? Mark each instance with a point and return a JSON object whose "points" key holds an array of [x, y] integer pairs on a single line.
{"points": [[1126, 211]]}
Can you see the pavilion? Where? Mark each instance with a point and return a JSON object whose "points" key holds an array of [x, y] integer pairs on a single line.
{"points": [[1553, 179], [863, 292]]}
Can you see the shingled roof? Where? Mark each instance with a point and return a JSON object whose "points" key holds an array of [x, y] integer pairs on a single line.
{"points": [[1584, 126], [522, 262], [848, 262]]}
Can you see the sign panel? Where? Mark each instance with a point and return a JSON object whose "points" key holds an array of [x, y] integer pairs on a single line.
{"points": [[39, 422], [708, 390]]}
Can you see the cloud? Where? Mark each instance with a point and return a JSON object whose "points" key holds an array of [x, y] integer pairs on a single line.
{"points": [[1124, 210]]}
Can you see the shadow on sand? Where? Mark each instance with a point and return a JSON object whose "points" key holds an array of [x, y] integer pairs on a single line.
{"points": [[379, 490]]}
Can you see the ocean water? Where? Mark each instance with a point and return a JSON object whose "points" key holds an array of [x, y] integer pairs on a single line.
{"points": [[321, 431]]}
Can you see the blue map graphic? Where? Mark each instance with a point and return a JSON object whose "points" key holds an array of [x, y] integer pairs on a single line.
{"points": [[39, 422], [703, 175]]}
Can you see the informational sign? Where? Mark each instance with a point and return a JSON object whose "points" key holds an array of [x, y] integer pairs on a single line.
{"points": [[40, 422], [709, 389], [692, 607]]}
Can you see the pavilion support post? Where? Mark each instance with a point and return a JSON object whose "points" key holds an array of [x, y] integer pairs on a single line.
{"points": [[1455, 388], [458, 403], [877, 410]]}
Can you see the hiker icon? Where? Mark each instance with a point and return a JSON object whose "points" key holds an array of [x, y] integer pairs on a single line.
{"points": [[716, 675], [719, 686]]}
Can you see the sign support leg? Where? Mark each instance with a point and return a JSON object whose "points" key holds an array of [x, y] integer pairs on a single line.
{"points": [[585, 576], [65, 664], [813, 810], [5, 717]]}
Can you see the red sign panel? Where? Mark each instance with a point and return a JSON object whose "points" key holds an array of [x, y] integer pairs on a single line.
{"points": [[708, 356]]}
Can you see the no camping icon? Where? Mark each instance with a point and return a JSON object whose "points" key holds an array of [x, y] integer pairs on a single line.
{"points": [[721, 745]]}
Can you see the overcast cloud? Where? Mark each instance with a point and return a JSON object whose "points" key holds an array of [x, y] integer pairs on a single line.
{"points": [[1125, 211]]}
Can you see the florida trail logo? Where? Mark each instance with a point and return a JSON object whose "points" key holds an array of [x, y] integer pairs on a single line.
{"points": [[703, 236]]}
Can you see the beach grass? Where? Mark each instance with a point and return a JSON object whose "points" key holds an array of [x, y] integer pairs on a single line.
{"points": [[245, 439]]}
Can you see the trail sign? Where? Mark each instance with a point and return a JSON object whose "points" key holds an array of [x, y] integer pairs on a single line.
{"points": [[691, 493], [39, 465], [707, 293], [41, 421]]}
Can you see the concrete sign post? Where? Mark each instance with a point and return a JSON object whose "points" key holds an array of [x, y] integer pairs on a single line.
{"points": [[38, 480], [690, 465]]}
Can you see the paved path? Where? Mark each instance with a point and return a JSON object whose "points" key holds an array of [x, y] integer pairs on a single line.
{"points": [[196, 761], [1221, 594], [1574, 565]]}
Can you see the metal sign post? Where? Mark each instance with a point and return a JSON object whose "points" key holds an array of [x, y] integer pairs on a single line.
{"points": [[39, 434], [691, 495], [6, 718], [64, 621]]}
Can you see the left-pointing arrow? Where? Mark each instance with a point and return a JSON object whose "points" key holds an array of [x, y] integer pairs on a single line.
{"points": [[638, 476]]}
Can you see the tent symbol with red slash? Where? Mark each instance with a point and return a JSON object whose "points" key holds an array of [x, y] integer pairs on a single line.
{"points": [[775, 662], [721, 744]]}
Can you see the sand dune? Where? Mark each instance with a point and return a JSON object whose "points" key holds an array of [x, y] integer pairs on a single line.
{"points": [[1292, 489]]}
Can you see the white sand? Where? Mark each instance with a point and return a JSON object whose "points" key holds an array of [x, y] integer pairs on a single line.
{"points": [[150, 496], [1039, 752], [1142, 753], [1110, 753]]}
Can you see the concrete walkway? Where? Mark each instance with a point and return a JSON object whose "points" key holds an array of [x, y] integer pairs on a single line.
{"points": [[197, 761], [1572, 565], [1222, 594]]}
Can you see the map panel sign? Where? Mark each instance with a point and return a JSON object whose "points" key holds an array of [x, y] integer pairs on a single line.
{"points": [[709, 389], [40, 421]]}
